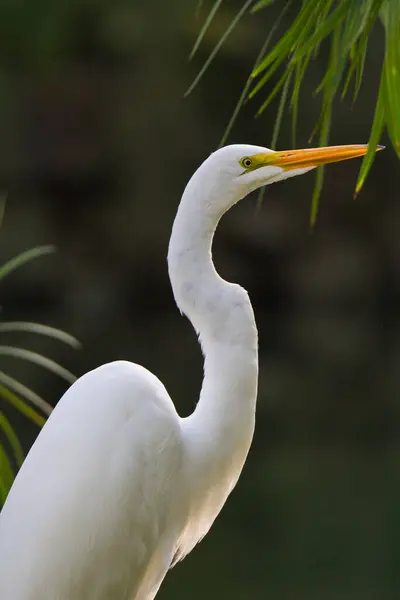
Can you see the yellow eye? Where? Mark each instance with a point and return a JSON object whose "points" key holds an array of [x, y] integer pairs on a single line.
{"points": [[246, 162]]}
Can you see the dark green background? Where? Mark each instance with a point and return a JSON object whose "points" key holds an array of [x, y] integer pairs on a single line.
{"points": [[96, 145]]}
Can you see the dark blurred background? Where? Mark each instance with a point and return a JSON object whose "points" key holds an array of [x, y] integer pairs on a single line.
{"points": [[96, 146]]}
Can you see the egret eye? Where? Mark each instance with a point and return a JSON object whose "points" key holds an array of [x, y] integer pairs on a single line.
{"points": [[246, 162]]}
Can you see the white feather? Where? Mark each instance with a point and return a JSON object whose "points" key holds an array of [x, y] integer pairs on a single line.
{"points": [[117, 485]]}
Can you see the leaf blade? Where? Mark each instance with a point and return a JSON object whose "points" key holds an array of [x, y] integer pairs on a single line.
{"points": [[376, 132], [22, 390], [207, 23], [21, 406], [24, 257], [218, 46], [6, 475], [12, 439], [39, 328], [38, 359]]}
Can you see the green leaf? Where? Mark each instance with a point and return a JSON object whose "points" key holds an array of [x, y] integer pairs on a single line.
{"points": [[280, 84], [206, 25], [281, 108], [199, 7], [6, 475], [324, 126], [376, 132], [29, 327], [213, 54], [275, 133], [297, 32], [332, 22], [356, 68], [391, 21], [321, 17], [266, 77], [287, 52], [261, 4], [12, 438], [23, 258], [26, 392], [21, 406], [40, 360], [347, 24], [11, 390], [360, 20], [294, 101], [360, 67], [249, 81]]}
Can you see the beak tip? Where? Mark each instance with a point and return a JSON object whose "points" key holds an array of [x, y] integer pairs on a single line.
{"points": [[380, 147]]}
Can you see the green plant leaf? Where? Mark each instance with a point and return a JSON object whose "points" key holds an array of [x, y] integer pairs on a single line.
{"points": [[21, 406], [199, 7], [294, 100], [206, 25], [348, 25], [391, 21], [249, 81], [38, 359], [281, 84], [21, 389], [30, 327], [291, 38], [23, 258], [275, 133], [261, 4], [11, 390], [325, 122], [213, 54], [12, 438], [6, 475], [356, 68], [279, 114], [376, 132], [326, 27]]}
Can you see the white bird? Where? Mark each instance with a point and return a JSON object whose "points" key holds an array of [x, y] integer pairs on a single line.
{"points": [[117, 487]]}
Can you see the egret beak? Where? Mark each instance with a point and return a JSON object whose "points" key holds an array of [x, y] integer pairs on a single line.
{"points": [[312, 157]]}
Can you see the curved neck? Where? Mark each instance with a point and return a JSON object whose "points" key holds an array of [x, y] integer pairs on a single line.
{"points": [[220, 430]]}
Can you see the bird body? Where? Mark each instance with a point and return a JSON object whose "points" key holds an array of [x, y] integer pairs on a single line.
{"points": [[117, 486], [85, 496]]}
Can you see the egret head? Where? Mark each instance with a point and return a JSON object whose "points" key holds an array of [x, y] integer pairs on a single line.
{"points": [[234, 171]]}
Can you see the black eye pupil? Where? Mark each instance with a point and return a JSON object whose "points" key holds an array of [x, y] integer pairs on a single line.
{"points": [[247, 162]]}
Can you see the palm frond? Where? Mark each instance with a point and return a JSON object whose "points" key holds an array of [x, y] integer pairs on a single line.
{"points": [[346, 25], [24, 257], [249, 80], [38, 359], [220, 43], [206, 25], [13, 392], [6, 475], [12, 439], [25, 392], [21, 406], [30, 327]]}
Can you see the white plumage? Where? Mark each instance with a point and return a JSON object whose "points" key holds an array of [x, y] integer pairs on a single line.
{"points": [[117, 486]]}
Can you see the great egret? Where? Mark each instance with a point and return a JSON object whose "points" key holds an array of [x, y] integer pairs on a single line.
{"points": [[117, 487]]}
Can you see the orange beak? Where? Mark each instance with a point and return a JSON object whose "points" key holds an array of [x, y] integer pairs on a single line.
{"points": [[313, 157]]}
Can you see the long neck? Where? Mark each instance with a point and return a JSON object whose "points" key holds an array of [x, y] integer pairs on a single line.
{"points": [[219, 432]]}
